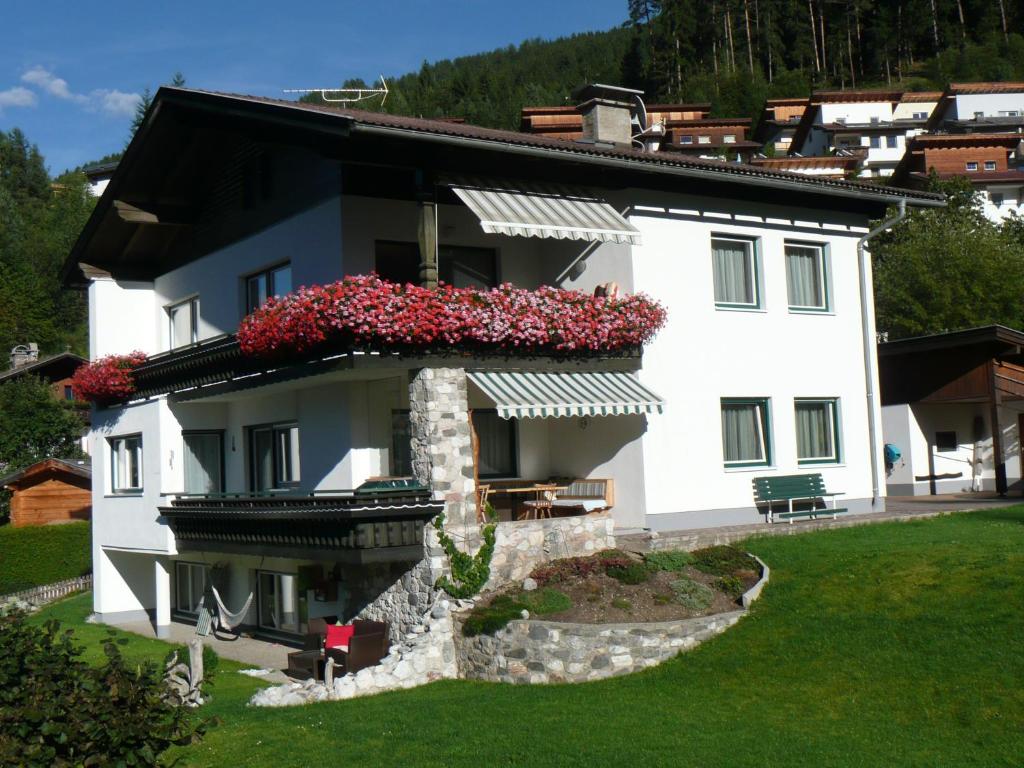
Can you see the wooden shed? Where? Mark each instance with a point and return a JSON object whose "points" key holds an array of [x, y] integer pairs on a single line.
{"points": [[50, 491]]}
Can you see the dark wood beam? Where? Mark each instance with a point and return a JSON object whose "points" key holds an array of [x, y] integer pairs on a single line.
{"points": [[998, 460]]}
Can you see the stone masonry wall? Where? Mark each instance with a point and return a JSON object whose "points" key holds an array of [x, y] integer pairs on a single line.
{"points": [[532, 651], [442, 448]]}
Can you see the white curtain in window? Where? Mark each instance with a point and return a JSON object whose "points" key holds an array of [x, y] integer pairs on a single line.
{"points": [[814, 438], [741, 432], [734, 279], [202, 463], [127, 453], [803, 276], [181, 325]]}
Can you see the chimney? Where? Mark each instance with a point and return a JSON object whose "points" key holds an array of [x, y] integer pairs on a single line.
{"points": [[24, 354], [608, 113]]}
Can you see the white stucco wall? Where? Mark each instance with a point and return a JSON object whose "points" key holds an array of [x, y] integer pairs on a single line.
{"points": [[964, 106], [1013, 200], [117, 313], [705, 354], [905, 110], [856, 112]]}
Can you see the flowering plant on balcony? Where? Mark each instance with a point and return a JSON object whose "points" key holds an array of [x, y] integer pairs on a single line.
{"points": [[365, 311], [107, 379]]}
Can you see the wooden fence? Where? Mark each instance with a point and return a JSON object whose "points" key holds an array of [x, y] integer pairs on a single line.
{"points": [[50, 592]]}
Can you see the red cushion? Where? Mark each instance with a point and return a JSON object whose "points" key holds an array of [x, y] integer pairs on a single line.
{"points": [[338, 636]]}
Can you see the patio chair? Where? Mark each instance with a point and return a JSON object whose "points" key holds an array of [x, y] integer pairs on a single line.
{"points": [[541, 506], [368, 645], [482, 492], [309, 662]]}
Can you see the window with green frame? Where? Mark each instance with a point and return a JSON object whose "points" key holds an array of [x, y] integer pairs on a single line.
{"points": [[746, 431], [807, 278], [817, 430], [736, 273]]}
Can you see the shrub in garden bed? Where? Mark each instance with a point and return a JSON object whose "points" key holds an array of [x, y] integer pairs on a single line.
{"points": [[691, 594], [669, 560], [488, 619], [724, 561]]}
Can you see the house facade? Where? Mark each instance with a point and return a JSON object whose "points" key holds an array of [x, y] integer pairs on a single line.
{"points": [[263, 476]]}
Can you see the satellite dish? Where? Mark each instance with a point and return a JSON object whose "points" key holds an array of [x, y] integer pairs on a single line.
{"points": [[641, 111]]}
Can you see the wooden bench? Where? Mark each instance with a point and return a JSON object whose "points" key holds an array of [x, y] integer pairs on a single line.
{"points": [[587, 494], [790, 488]]}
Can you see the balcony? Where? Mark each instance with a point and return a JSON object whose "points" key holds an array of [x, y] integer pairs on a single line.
{"points": [[366, 525]]}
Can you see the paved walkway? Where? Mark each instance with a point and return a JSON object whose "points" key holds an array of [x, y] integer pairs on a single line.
{"points": [[897, 508], [259, 654]]}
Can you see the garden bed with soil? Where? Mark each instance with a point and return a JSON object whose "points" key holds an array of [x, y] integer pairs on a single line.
{"points": [[616, 587]]}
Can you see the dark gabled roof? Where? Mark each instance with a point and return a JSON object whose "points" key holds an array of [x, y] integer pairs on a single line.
{"points": [[401, 135], [53, 367], [987, 334], [76, 467]]}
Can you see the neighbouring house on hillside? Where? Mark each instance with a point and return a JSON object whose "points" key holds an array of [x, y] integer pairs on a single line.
{"points": [[953, 405], [685, 128], [293, 452], [99, 176], [874, 124], [992, 162], [844, 164], [979, 108], [778, 123], [50, 491]]}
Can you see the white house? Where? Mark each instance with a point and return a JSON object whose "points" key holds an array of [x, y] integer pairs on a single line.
{"points": [[873, 124], [241, 471], [953, 407]]}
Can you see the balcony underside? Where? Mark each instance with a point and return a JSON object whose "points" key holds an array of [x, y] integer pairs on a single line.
{"points": [[218, 367]]}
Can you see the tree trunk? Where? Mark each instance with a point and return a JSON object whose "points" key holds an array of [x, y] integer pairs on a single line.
{"points": [[860, 44], [849, 50], [750, 44], [821, 20], [714, 38], [963, 25], [935, 26], [1002, 15], [814, 36], [732, 45], [768, 32]]}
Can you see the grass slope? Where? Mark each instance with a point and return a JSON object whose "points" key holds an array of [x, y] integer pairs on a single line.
{"points": [[895, 645], [36, 555]]}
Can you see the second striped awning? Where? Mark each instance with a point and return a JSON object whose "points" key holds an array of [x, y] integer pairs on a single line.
{"points": [[533, 394]]}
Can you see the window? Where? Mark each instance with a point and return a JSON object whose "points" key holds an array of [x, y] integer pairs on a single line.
{"points": [[401, 446], [806, 277], [459, 266], [703, 139], [978, 115], [997, 198], [497, 445], [183, 320], [876, 142], [204, 462], [729, 138], [920, 115], [972, 166], [817, 431], [190, 581], [990, 165], [874, 120], [281, 606], [273, 457], [841, 121], [746, 429], [126, 464], [946, 442], [276, 281], [69, 392], [1010, 113], [734, 263], [686, 139], [890, 142]]}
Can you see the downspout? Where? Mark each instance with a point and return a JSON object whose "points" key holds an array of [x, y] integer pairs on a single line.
{"points": [[868, 334]]}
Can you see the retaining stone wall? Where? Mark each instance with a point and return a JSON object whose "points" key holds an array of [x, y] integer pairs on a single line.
{"points": [[532, 651]]}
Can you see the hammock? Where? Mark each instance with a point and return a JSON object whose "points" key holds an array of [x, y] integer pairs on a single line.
{"points": [[226, 619]]}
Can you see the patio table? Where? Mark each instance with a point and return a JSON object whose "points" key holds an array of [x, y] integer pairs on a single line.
{"points": [[537, 489]]}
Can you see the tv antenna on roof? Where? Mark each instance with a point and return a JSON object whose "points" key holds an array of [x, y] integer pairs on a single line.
{"points": [[347, 95]]}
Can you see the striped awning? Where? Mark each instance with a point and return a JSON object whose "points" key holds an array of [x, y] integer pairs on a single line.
{"points": [[523, 209], [528, 394]]}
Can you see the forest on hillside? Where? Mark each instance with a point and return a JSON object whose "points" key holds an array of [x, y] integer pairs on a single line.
{"points": [[732, 53]]}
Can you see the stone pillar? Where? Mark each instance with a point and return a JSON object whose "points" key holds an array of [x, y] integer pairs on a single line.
{"points": [[162, 588], [442, 450]]}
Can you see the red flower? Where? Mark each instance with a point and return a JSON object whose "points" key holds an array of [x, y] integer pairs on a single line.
{"points": [[107, 379]]}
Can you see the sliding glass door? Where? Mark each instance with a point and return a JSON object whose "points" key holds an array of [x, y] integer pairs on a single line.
{"points": [[279, 602]]}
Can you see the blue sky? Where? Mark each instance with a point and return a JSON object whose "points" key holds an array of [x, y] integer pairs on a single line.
{"points": [[70, 73]]}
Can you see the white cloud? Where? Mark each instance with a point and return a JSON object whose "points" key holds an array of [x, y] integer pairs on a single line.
{"points": [[108, 100], [115, 102], [17, 97], [49, 82]]}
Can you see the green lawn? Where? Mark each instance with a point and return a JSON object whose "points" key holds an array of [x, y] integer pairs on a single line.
{"points": [[884, 645], [43, 554]]}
